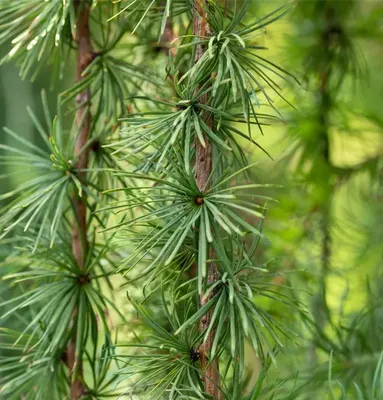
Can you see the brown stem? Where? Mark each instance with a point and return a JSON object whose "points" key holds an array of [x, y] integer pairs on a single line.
{"points": [[203, 169], [165, 45], [79, 235], [84, 58], [167, 37]]}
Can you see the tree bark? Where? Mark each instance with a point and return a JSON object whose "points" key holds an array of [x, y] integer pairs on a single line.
{"points": [[79, 234], [84, 58], [203, 169]]}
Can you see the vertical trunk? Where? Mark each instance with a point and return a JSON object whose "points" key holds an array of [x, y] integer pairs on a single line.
{"points": [[79, 235], [203, 168]]}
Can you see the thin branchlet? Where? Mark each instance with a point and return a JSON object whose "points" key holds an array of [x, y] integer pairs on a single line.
{"points": [[203, 170], [85, 56]]}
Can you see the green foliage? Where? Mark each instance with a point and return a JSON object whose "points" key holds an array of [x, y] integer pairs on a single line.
{"points": [[154, 10], [239, 290], [55, 289], [166, 363], [190, 210], [27, 374], [42, 200], [232, 56], [38, 31]]}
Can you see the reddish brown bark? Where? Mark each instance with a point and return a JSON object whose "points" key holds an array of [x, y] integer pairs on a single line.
{"points": [[84, 58], [203, 169], [79, 234]]}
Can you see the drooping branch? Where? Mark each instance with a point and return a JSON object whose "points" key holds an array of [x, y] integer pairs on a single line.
{"points": [[203, 169], [79, 234]]}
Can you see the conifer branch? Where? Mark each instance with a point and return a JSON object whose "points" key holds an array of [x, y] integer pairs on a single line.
{"points": [[79, 235], [203, 170]]}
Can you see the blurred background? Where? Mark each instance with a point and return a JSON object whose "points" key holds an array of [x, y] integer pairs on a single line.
{"points": [[325, 236]]}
